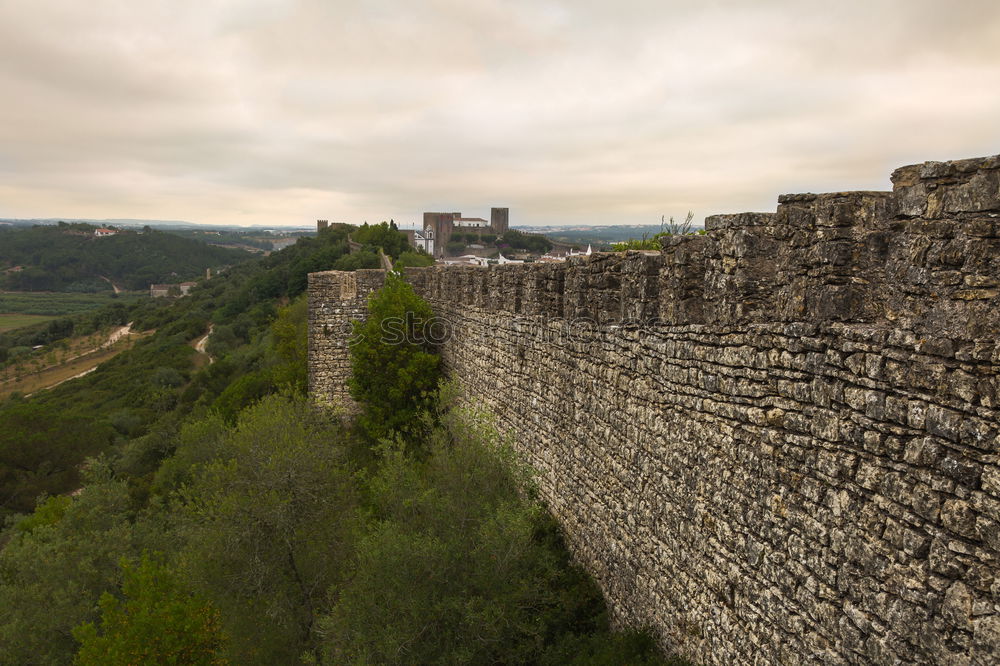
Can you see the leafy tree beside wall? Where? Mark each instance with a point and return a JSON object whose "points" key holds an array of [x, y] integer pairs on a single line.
{"points": [[394, 366], [385, 235], [414, 258]]}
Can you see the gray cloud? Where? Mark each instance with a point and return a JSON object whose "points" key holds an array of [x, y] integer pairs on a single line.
{"points": [[282, 111]]}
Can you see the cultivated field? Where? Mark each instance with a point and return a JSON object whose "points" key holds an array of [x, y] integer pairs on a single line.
{"points": [[55, 304], [73, 358], [9, 322]]}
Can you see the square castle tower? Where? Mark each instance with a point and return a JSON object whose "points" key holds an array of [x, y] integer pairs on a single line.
{"points": [[438, 227]]}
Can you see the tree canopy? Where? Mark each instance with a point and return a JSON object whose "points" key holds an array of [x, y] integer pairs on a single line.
{"points": [[385, 235], [519, 240], [393, 362], [156, 622]]}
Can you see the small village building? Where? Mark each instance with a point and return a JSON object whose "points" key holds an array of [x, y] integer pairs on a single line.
{"points": [[475, 222], [159, 290], [164, 290]]}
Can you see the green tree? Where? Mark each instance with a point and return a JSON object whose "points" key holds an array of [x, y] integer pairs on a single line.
{"points": [[156, 622], [445, 574], [366, 258], [414, 258], [41, 450], [243, 392], [520, 240], [458, 565], [265, 526], [394, 366], [290, 333], [55, 567], [385, 235]]}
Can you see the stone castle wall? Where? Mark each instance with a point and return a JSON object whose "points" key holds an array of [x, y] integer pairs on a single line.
{"points": [[773, 443]]}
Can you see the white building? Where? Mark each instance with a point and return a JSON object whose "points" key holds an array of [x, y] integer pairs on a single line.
{"points": [[550, 258], [474, 222], [467, 260], [424, 239]]}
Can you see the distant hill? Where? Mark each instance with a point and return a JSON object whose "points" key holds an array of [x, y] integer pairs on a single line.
{"points": [[70, 257], [117, 222], [155, 224], [596, 235]]}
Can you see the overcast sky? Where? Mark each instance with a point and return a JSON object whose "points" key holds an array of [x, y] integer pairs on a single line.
{"points": [[279, 112]]}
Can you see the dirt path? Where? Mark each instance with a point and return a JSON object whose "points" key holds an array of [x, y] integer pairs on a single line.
{"points": [[63, 381], [115, 336], [118, 334], [113, 285], [201, 344]]}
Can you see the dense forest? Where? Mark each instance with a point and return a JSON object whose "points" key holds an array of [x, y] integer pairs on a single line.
{"points": [[69, 257], [172, 509]]}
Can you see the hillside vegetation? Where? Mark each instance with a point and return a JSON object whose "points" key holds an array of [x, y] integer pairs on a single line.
{"points": [[68, 257], [161, 510]]}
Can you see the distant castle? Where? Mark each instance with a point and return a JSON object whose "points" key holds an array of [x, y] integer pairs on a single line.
{"points": [[438, 228]]}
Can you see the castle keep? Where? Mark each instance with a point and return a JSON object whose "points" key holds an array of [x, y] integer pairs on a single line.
{"points": [[438, 228], [773, 443]]}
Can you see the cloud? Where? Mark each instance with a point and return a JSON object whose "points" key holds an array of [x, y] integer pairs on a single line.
{"points": [[282, 111]]}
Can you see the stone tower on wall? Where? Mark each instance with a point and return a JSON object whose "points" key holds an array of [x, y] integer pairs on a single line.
{"points": [[499, 220], [336, 299]]}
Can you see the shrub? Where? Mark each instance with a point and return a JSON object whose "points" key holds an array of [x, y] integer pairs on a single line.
{"points": [[414, 258], [157, 622], [394, 367]]}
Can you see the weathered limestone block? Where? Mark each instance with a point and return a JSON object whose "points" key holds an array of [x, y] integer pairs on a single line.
{"points": [[939, 189]]}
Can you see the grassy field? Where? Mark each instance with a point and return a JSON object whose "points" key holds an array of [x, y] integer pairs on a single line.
{"points": [[9, 322], [56, 304]]}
